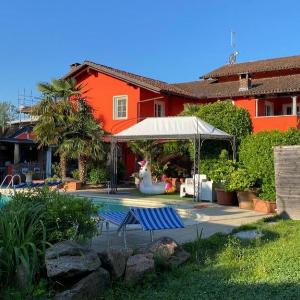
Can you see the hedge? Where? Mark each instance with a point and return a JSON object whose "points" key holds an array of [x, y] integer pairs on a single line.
{"points": [[256, 155]]}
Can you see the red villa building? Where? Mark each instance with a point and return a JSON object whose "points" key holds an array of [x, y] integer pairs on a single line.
{"points": [[268, 89]]}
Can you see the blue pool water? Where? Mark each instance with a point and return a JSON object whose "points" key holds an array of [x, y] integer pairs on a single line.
{"points": [[110, 204], [3, 200]]}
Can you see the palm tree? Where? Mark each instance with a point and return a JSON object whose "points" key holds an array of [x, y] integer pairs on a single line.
{"points": [[55, 112], [84, 139]]}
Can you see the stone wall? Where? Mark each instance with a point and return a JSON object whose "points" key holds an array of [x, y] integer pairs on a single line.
{"points": [[287, 178]]}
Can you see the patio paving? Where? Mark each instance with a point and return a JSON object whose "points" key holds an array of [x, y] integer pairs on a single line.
{"points": [[212, 218]]}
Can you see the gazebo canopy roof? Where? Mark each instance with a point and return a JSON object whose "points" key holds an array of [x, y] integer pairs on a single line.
{"points": [[171, 128]]}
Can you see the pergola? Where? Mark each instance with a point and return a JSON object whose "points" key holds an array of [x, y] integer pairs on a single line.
{"points": [[169, 128]]}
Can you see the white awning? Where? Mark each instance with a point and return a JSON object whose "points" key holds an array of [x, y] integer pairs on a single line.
{"points": [[171, 128]]}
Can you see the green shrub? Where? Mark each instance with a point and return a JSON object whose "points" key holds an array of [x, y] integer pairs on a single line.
{"points": [[22, 239], [75, 174], [240, 180], [223, 115], [64, 216], [98, 175], [256, 155]]}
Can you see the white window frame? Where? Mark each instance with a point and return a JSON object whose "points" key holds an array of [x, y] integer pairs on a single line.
{"points": [[285, 106], [271, 105], [163, 108], [115, 107]]}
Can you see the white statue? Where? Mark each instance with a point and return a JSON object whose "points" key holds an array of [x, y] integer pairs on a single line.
{"points": [[146, 185]]}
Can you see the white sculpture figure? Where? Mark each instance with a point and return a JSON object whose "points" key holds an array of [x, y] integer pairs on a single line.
{"points": [[146, 185]]}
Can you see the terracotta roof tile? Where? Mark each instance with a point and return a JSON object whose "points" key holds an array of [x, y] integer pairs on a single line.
{"points": [[148, 83], [213, 89], [282, 63]]}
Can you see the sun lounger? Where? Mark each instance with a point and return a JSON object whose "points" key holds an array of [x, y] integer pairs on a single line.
{"points": [[150, 219]]}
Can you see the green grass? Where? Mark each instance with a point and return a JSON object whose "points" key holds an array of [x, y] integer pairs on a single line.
{"points": [[224, 267]]}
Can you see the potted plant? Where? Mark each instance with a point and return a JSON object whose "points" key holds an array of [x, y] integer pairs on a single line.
{"points": [[220, 173], [265, 202], [242, 182]]}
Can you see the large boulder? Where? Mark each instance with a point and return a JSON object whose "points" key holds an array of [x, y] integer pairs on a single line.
{"points": [[90, 287], [179, 258], [70, 248], [69, 259], [163, 247], [138, 266], [114, 260]]}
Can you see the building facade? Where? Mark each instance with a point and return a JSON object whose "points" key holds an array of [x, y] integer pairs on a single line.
{"points": [[268, 89]]}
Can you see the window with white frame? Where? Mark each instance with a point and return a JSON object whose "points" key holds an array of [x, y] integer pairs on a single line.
{"points": [[120, 104], [159, 109], [288, 109], [269, 109]]}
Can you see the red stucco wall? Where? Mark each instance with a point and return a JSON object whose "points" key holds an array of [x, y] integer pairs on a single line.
{"points": [[99, 91], [262, 123]]}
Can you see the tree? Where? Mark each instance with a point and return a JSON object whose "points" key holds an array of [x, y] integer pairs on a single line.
{"points": [[84, 138], [7, 113], [55, 113]]}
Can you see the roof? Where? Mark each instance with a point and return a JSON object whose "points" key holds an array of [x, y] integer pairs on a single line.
{"points": [[142, 81], [171, 128], [274, 64], [213, 89]]}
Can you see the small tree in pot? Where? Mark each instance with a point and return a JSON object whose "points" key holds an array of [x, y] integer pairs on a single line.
{"points": [[221, 174], [243, 183]]}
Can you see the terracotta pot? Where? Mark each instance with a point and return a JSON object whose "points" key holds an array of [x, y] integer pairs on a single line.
{"points": [[224, 197], [264, 206], [245, 199], [73, 185]]}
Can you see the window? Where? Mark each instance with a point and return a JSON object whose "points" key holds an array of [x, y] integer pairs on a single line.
{"points": [[288, 109], [120, 104], [269, 109], [159, 109]]}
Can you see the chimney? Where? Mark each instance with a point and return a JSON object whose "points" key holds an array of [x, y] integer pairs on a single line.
{"points": [[245, 82], [74, 65]]}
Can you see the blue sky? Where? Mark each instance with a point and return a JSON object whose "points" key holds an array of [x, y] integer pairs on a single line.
{"points": [[170, 40]]}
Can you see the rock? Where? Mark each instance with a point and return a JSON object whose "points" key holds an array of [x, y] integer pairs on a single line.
{"points": [[248, 234], [179, 258], [114, 260], [138, 266], [163, 247], [68, 259], [65, 248], [90, 287]]}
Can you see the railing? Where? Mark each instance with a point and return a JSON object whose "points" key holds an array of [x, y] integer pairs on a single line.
{"points": [[11, 182]]}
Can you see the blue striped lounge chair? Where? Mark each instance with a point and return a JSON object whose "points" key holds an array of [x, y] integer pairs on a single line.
{"points": [[150, 219]]}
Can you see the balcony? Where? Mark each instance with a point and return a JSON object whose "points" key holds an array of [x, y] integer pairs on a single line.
{"points": [[276, 113]]}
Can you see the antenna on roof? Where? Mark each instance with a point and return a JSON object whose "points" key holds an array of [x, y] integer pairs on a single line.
{"points": [[234, 54]]}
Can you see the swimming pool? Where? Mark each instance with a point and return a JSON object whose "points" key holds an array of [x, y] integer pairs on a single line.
{"points": [[3, 200]]}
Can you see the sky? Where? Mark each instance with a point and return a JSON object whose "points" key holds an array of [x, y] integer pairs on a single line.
{"points": [[169, 40]]}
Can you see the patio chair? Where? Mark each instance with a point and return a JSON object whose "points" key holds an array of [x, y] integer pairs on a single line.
{"points": [[150, 219], [187, 188]]}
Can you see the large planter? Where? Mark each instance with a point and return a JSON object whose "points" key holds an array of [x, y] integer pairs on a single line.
{"points": [[224, 197], [73, 185], [268, 207], [245, 199]]}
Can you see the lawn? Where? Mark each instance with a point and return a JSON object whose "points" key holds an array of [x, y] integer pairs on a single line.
{"points": [[224, 267]]}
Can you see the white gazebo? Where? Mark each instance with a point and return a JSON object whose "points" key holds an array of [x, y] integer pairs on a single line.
{"points": [[168, 128]]}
